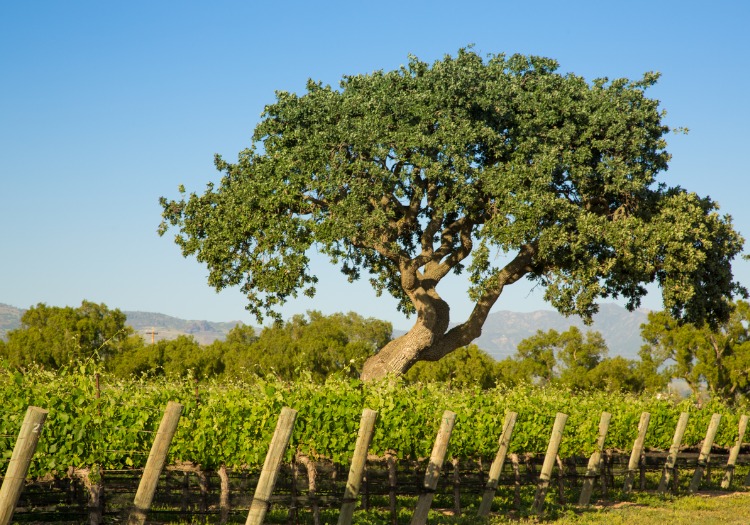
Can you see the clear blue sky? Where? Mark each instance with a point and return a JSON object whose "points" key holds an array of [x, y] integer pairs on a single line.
{"points": [[106, 106]]}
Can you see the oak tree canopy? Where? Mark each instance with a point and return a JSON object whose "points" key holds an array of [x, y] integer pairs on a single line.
{"points": [[500, 168]]}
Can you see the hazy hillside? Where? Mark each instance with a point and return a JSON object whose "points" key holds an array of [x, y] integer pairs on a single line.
{"points": [[501, 334], [10, 318], [621, 329], [166, 327]]}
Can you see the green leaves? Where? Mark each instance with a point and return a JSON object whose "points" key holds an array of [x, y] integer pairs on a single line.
{"points": [[234, 422], [717, 356], [59, 337], [403, 175]]}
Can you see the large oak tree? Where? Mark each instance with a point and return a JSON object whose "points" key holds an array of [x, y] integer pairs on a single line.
{"points": [[501, 167]]}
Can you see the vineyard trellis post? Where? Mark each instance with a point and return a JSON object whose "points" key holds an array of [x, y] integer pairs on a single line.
{"points": [[595, 461], [155, 463], [357, 469], [733, 453], [433, 468], [670, 466], [549, 462], [497, 465], [270, 472], [635, 455], [705, 455], [23, 451]]}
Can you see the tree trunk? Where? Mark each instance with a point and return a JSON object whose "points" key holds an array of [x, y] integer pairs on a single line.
{"points": [[429, 339], [398, 356]]}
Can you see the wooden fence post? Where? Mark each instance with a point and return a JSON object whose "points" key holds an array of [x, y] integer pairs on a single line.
{"points": [[357, 469], [155, 463], [433, 468], [635, 455], [729, 473], [595, 461], [270, 472], [670, 466], [497, 465], [23, 451], [549, 462], [705, 456]]}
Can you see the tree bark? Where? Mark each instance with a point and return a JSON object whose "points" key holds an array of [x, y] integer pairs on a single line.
{"points": [[399, 355], [429, 339]]}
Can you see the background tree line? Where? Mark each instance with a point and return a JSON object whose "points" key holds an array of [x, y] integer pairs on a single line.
{"points": [[316, 346]]}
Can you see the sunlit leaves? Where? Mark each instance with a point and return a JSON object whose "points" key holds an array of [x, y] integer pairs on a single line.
{"points": [[400, 175], [233, 422]]}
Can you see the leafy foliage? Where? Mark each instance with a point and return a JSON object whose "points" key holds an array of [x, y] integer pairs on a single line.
{"points": [[464, 367], [175, 357], [232, 422], [317, 346], [569, 360], [415, 174], [717, 356], [313, 346], [56, 337]]}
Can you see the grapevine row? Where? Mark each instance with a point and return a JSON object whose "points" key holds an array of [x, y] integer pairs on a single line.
{"points": [[231, 424]]}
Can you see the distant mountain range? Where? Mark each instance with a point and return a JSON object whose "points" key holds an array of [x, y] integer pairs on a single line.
{"points": [[501, 333], [503, 330], [166, 327]]}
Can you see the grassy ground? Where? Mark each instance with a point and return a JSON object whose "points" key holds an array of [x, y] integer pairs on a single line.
{"points": [[706, 508], [702, 509]]}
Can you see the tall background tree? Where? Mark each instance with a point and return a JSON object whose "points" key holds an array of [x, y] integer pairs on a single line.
{"points": [[715, 357], [316, 344], [501, 167], [577, 361], [464, 367], [55, 337]]}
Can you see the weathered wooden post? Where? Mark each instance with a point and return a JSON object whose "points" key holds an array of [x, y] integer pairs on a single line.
{"points": [[433, 468], [671, 463], [635, 455], [270, 472], [23, 451], [155, 463], [357, 469], [549, 462], [595, 461], [729, 474], [497, 465], [705, 456]]}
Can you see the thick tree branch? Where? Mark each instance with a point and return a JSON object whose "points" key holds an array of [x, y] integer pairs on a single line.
{"points": [[465, 333]]}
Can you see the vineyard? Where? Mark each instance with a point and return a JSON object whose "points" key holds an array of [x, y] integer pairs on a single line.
{"points": [[96, 422]]}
